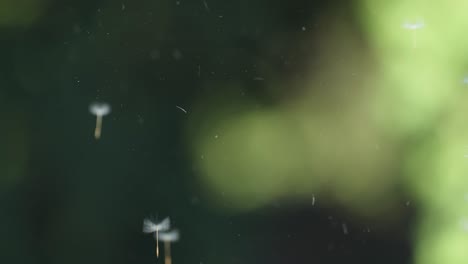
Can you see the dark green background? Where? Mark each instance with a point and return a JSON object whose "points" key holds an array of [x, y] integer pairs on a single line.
{"points": [[67, 198]]}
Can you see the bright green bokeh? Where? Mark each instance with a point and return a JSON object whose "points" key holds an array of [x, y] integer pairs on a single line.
{"points": [[426, 102], [352, 141]]}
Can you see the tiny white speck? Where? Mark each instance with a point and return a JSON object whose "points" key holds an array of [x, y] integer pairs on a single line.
{"points": [[216, 136], [465, 80], [313, 200], [77, 29], [154, 54], [177, 54], [140, 120], [413, 25], [345, 228], [206, 6], [181, 109], [123, 6], [304, 28]]}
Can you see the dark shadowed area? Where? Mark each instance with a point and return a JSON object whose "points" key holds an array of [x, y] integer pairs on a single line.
{"points": [[66, 197]]}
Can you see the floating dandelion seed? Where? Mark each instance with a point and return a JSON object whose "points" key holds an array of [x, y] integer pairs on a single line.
{"points": [[152, 227], [99, 110], [168, 238], [413, 26]]}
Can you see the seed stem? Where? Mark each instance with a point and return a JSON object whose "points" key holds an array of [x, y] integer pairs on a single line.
{"points": [[97, 130]]}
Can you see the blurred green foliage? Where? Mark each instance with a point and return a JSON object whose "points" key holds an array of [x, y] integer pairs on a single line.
{"points": [[283, 101]]}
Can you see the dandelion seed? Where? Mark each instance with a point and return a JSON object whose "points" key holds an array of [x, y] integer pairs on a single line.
{"points": [[413, 26], [168, 238], [99, 110], [152, 227]]}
